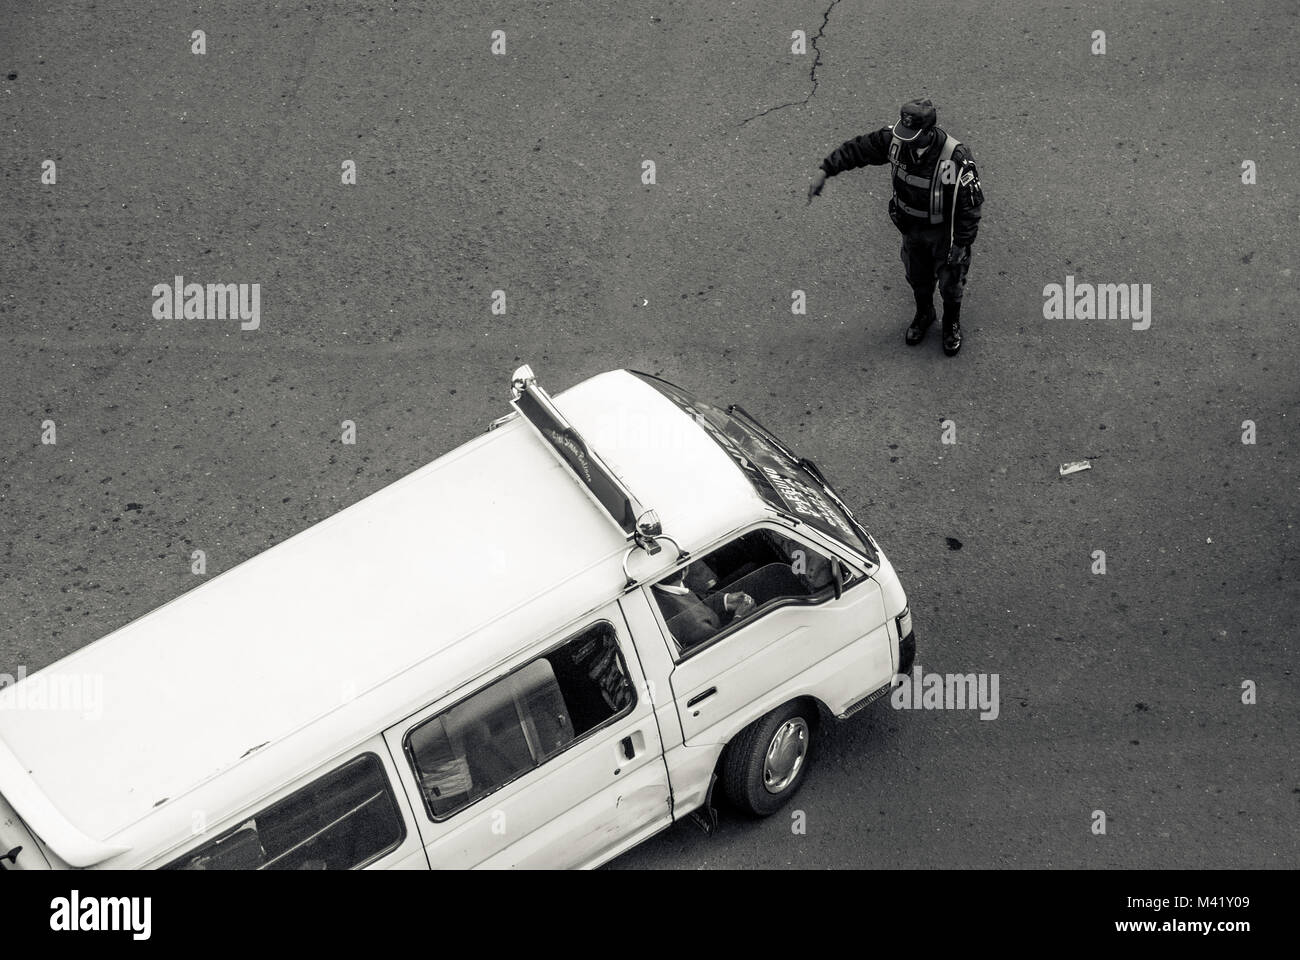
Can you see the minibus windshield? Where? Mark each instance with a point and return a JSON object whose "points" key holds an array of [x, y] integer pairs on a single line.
{"points": [[788, 484]]}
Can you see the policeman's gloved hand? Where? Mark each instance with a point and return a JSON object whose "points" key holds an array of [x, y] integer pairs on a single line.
{"points": [[815, 188], [956, 253]]}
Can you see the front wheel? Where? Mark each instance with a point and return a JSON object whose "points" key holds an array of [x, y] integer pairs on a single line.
{"points": [[766, 762]]}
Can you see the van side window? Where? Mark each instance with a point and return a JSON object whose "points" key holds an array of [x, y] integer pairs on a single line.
{"points": [[342, 820], [737, 581], [519, 722]]}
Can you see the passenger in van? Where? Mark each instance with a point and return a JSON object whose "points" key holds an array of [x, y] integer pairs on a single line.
{"points": [[692, 620]]}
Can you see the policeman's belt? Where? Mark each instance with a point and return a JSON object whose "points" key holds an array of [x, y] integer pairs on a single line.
{"points": [[911, 211]]}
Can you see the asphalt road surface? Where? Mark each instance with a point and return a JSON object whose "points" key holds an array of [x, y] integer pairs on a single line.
{"points": [[522, 172]]}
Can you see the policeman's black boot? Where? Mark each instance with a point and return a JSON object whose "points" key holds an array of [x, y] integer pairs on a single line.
{"points": [[951, 327], [924, 317]]}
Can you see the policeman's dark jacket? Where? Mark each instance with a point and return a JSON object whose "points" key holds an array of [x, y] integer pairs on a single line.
{"points": [[914, 183]]}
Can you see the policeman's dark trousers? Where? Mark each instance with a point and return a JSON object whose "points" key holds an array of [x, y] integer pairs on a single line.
{"points": [[925, 260]]}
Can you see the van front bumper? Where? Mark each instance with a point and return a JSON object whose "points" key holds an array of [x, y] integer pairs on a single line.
{"points": [[906, 653]]}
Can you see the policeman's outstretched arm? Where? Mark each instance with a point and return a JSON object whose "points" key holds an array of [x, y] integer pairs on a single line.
{"points": [[870, 149]]}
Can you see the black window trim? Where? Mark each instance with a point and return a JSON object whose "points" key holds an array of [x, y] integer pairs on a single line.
{"points": [[568, 638], [680, 656], [314, 776]]}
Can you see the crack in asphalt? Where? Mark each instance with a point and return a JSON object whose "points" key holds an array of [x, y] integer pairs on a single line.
{"points": [[812, 72]]}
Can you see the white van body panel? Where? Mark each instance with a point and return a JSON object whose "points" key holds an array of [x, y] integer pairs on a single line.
{"points": [[775, 659], [836, 653], [574, 810]]}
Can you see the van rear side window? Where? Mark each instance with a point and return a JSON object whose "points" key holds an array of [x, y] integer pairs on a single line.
{"points": [[343, 820], [519, 722]]}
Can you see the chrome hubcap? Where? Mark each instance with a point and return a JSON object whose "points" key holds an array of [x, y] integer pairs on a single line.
{"points": [[785, 755]]}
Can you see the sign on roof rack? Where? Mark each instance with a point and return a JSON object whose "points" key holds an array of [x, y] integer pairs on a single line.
{"points": [[622, 506]]}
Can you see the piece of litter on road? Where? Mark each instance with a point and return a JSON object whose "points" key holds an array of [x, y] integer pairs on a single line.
{"points": [[1074, 466]]}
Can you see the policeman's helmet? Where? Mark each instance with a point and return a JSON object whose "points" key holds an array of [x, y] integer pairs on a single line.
{"points": [[914, 118]]}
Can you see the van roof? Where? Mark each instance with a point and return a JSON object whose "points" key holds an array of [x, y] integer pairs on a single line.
{"points": [[355, 623]]}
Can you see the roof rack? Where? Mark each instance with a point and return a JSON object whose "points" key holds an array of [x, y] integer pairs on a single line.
{"points": [[639, 525]]}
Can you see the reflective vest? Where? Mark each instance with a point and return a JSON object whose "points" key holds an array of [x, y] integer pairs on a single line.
{"points": [[932, 183]]}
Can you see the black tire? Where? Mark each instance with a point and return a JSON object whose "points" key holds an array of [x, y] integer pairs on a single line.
{"points": [[743, 779]]}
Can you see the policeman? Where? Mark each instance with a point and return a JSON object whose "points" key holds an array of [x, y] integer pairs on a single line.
{"points": [[936, 206]]}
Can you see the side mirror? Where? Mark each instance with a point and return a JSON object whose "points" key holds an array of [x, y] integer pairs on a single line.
{"points": [[837, 570]]}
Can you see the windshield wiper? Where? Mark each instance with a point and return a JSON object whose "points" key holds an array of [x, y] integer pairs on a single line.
{"points": [[810, 468], [736, 409], [813, 471]]}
